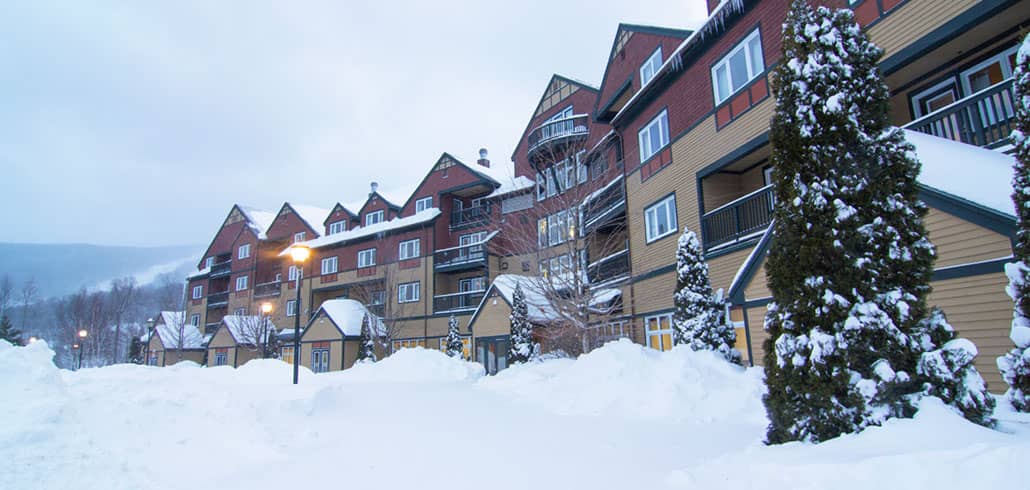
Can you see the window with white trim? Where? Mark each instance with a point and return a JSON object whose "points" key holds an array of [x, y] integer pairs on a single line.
{"points": [[241, 283], [244, 251], [221, 357], [240, 312], [423, 204], [374, 217], [654, 136], [409, 249], [408, 292], [408, 344], [651, 66], [735, 70], [198, 292], [337, 227], [660, 219], [377, 297], [659, 331], [208, 262], [541, 232], [294, 273], [195, 319], [329, 265], [320, 360], [291, 307], [300, 236], [367, 258]]}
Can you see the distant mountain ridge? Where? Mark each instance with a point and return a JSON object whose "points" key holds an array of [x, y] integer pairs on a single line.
{"points": [[60, 269]]}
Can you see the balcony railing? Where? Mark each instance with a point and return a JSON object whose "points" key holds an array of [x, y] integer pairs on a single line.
{"points": [[470, 216], [217, 300], [209, 329], [221, 269], [738, 219], [985, 118], [463, 257], [457, 301], [611, 267], [267, 289], [573, 127], [607, 200]]}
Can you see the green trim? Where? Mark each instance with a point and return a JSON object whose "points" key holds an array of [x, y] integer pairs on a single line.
{"points": [[661, 312], [661, 271], [747, 338], [750, 266], [736, 247], [741, 151], [968, 270], [968, 210], [950, 30]]}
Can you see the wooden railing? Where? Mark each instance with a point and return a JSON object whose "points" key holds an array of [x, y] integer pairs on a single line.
{"points": [[466, 255], [470, 216], [610, 267], [738, 219], [555, 130], [457, 301], [266, 289], [985, 118], [221, 269], [595, 207], [217, 299]]}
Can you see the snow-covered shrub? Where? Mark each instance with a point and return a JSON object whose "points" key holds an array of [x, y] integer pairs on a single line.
{"points": [[699, 320], [946, 369], [455, 348], [521, 348], [366, 344]]}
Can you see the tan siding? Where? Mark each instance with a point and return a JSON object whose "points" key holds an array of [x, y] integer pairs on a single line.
{"points": [[321, 329], [979, 310], [756, 322], [655, 293], [912, 21], [722, 269], [493, 318], [960, 242], [758, 288]]}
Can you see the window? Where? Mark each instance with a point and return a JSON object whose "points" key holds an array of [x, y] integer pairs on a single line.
{"points": [[221, 357], [278, 277], [241, 283], [409, 249], [659, 331], [320, 358], [244, 251], [541, 232], [541, 187], [286, 354], [329, 265], [377, 297], [474, 242], [581, 167], [741, 65], [374, 217], [291, 307], [198, 292], [466, 346], [195, 319], [651, 66], [208, 262], [152, 359], [989, 72], [337, 227], [408, 292], [408, 344], [423, 204], [767, 175], [299, 236], [367, 258], [295, 273], [660, 219], [555, 224], [472, 284], [240, 312], [654, 136]]}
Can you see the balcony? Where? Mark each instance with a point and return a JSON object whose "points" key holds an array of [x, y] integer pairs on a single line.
{"points": [[614, 266], [469, 217], [739, 219], [460, 258], [268, 289], [209, 329], [457, 301], [218, 300], [604, 204], [221, 269], [985, 118], [553, 134]]}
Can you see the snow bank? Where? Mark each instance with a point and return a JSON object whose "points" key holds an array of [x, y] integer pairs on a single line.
{"points": [[414, 365], [629, 380]]}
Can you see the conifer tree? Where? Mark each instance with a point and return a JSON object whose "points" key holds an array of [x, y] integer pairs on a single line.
{"points": [[946, 369], [699, 320], [366, 344], [8, 332], [1015, 365], [521, 346], [849, 266], [455, 347]]}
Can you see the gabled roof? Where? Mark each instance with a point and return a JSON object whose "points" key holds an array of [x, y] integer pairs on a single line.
{"points": [[257, 219], [238, 326], [538, 309], [366, 231], [390, 204], [312, 216], [547, 91], [340, 207], [347, 315], [167, 331]]}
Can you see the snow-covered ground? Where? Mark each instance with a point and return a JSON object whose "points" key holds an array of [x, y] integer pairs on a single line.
{"points": [[620, 417]]}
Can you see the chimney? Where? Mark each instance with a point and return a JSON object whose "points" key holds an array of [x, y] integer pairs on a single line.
{"points": [[483, 160], [375, 185], [711, 5]]}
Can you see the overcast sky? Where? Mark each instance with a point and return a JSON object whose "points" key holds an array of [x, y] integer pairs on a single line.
{"points": [[141, 123]]}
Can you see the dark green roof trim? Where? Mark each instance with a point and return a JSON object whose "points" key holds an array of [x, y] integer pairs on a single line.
{"points": [[736, 247], [950, 30], [600, 114], [656, 30], [967, 270], [736, 292], [654, 273], [968, 210]]}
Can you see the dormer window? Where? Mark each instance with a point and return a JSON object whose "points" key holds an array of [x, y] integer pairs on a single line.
{"points": [[243, 252], [651, 66], [337, 227], [299, 236], [374, 217], [423, 204]]}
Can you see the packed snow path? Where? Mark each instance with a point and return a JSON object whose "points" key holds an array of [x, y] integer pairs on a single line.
{"points": [[621, 417]]}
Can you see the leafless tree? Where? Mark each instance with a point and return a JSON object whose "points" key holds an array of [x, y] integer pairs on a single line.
{"points": [[29, 292], [257, 334], [6, 293], [122, 297], [572, 242]]}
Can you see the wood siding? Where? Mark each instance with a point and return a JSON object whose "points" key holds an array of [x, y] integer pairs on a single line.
{"points": [[961, 242]]}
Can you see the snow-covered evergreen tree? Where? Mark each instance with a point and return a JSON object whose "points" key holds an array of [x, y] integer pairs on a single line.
{"points": [[699, 320], [455, 348], [1015, 365], [8, 332], [366, 343], [946, 369], [850, 265], [521, 347]]}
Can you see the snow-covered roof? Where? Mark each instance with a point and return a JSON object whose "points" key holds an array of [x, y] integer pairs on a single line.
{"points": [[244, 328], [538, 308], [603, 297], [312, 215], [258, 219], [396, 196], [202, 272], [973, 173], [364, 231], [168, 331], [517, 184], [348, 314]]}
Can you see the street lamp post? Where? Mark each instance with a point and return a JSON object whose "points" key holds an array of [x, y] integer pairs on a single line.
{"points": [[300, 254], [82, 344], [266, 310]]}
